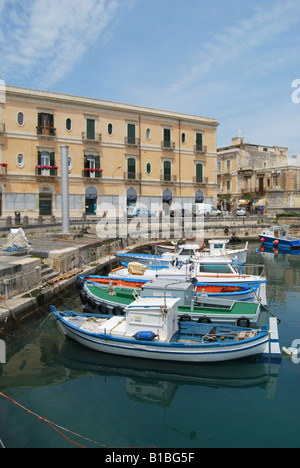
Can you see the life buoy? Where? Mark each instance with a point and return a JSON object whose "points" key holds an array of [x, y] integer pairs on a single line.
{"points": [[103, 309], [83, 296], [243, 322], [185, 318], [204, 319], [117, 311]]}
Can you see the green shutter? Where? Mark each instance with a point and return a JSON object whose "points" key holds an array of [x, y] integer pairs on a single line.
{"points": [[131, 134], [131, 168], [90, 129], [52, 163], [199, 173], [97, 166], [39, 162], [167, 138], [199, 141], [167, 171]]}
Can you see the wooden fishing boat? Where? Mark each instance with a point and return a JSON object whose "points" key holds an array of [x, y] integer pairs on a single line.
{"points": [[150, 330], [108, 299]]}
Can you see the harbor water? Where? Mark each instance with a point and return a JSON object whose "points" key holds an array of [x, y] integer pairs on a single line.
{"points": [[76, 396]]}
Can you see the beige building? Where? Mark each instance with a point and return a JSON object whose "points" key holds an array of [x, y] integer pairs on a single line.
{"points": [[246, 170], [119, 155]]}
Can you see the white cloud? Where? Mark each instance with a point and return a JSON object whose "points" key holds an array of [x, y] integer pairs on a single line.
{"points": [[238, 40], [44, 40]]}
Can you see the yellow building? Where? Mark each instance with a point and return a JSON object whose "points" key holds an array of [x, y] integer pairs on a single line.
{"points": [[119, 155]]}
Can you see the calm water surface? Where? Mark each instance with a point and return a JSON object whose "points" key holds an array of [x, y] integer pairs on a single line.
{"points": [[125, 403]]}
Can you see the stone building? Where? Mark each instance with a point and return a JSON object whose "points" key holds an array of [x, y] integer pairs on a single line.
{"points": [[119, 154]]}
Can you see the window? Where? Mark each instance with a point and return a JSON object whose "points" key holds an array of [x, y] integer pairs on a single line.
{"points": [[199, 142], [20, 160], [46, 163], [90, 129], [183, 137], [228, 165], [167, 171], [45, 124], [148, 133], [131, 168], [109, 129], [68, 124], [167, 138], [148, 168], [20, 119], [199, 173], [92, 166], [131, 134]]}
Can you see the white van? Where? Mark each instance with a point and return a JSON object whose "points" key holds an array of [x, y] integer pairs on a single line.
{"points": [[205, 209]]}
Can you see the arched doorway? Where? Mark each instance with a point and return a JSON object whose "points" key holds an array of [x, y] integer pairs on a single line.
{"points": [[45, 201], [167, 200], [91, 201], [131, 197], [199, 196]]}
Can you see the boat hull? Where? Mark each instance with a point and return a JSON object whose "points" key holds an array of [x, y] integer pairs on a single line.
{"points": [[179, 352]]}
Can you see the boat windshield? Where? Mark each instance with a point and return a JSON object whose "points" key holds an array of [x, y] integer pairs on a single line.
{"points": [[215, 268]]}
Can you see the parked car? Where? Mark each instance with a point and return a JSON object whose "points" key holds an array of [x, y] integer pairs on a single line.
{"points": [[241, 212], [134, 211]]}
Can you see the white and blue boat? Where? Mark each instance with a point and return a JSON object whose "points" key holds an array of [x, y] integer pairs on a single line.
{"points": [[278, 236], [150, 330], [183, 252]]}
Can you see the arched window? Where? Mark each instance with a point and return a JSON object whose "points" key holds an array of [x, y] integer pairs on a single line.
{"points": [[148, 168], [148, 133], [68, 124], [20, 119], [109, 129]]}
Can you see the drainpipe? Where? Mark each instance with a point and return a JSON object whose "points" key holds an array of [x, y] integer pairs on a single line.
{"points": [[65, 215]]}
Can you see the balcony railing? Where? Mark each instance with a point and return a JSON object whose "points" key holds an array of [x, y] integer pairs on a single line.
{"points": [[167, 145], [132, 176], [200, 149], [92, 173], [168, 179], [46, 171], [92, 137], [200, 181], [132, 141], [45, 131]]}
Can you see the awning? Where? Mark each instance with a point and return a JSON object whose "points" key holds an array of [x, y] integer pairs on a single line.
{"points": [[261, 202], [243, 202]]}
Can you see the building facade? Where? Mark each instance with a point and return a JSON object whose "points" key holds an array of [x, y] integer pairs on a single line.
{"points": [[248, 172], [119, 155]]}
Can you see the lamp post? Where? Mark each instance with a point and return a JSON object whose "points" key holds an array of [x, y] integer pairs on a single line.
{"points": [[65, 215]]}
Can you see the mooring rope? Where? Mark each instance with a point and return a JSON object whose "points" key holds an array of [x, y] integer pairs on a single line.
{"points": [[54, 426]]}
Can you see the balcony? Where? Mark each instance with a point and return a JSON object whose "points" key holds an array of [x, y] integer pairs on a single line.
{"points": [[45, 132], [132, 177], [46, 171], [132, 142], [91, 173], [91, 138], [200, 149], [200, 182], [168, 179], [167, 145]]}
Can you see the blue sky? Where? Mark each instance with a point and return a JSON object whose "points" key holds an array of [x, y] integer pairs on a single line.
{"points": [[233, 60]]}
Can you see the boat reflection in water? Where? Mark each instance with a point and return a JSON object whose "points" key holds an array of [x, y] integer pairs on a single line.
{"points": [[156, 382]]}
